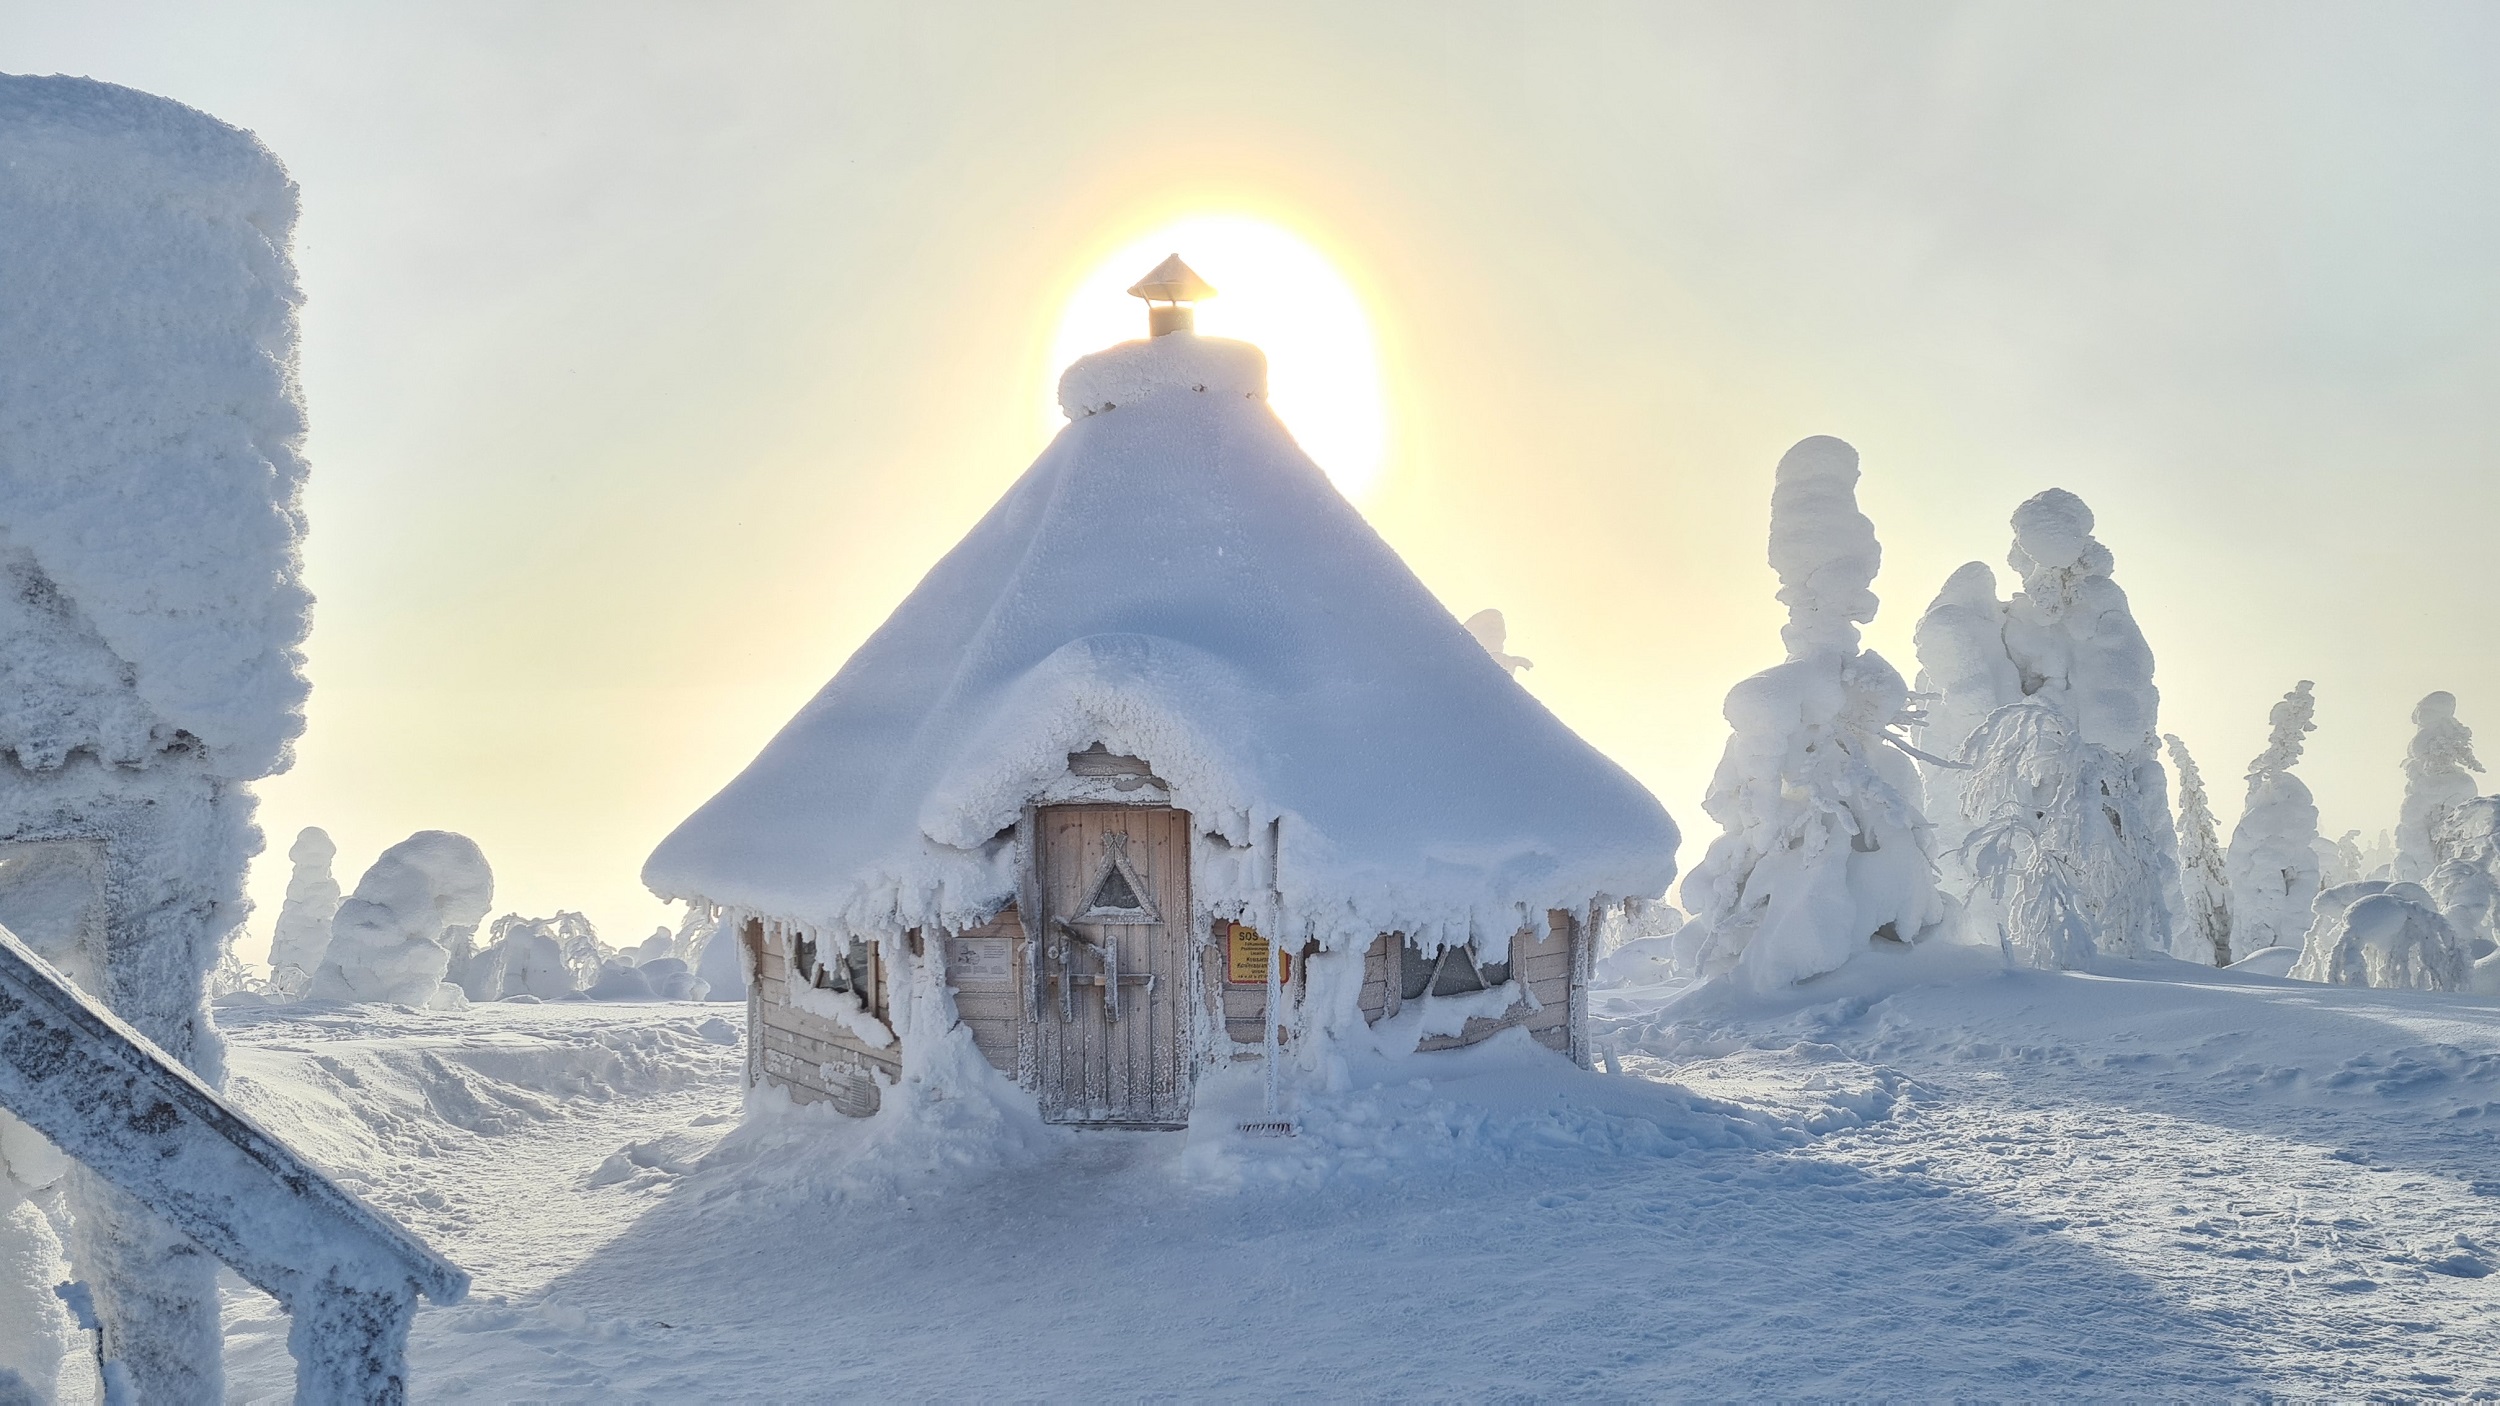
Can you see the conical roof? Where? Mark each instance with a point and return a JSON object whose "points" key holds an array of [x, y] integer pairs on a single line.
{"points": [[1173, 579], [1172, 282]]}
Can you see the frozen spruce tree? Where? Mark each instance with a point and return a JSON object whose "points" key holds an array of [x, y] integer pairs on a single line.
{"points": [[2203, 876], [312, 900], [2065, 813], [2466, 884], [1964, 674], [2439, 776], [2273, 862], [392, 939], [1824, 847], [2339, 860]]}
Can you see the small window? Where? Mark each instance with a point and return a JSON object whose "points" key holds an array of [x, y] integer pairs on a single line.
{"points": [[1458, 974], [1414, 972], [1116, 895], [853, 972], [1453, 971]]}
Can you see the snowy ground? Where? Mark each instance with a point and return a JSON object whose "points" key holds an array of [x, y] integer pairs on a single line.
{"points": [[1921, 1176]]}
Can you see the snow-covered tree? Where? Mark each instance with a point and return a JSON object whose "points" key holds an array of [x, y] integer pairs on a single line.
{"points": [[2340, 861], [1964, 674], [2203, 877], [2467, 882], [2273, 862], [312, 901], [2377, 933], [1493, 633], [2036, 844], [2378, 857], [2439, 776], [547, 957], [392, 939], [2070, 644], [1824, 847]]}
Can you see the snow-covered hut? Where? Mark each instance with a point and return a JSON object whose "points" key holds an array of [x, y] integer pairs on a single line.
{"points": [[1172, 696]]}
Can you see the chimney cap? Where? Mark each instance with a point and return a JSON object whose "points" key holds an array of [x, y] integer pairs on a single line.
{"points": [[1172, 282]]}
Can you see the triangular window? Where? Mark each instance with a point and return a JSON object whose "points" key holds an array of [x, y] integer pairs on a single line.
{"points": [[1115, 893], [1119, 894]]}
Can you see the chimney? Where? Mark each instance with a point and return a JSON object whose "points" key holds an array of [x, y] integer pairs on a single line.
{"points": [[1169, 292]]}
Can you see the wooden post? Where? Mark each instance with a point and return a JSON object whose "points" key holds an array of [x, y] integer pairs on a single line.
{"points": [[1275, 1011], [1583, 971], [1029, 908]]}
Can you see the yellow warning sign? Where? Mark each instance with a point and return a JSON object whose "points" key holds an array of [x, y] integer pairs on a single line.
{"points": [[1245, 958]]}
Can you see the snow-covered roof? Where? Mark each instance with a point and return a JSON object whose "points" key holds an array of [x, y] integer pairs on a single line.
{"points": [[1175, 580], [149, 422]]}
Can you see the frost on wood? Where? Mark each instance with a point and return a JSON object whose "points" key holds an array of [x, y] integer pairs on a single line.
{"points": [[2066, 642], [153, 606], [2439, 776], [1174, 580], [2378, 933], [392, 939], [2273, 862], [312, 901], [2203, 874], [1823, 845], [201, 1179]]}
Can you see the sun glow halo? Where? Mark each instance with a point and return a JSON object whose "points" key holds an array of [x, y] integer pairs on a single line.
{"points": [[1275, 290]]}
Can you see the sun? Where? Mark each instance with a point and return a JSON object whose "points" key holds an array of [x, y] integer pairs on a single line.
{"points": [[1273, 288]]}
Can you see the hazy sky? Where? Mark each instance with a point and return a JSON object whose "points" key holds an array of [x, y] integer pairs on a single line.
{"points": [[654, 352]]}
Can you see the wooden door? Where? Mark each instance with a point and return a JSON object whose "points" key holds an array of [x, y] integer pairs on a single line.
{"points": [[1113, 990]]}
